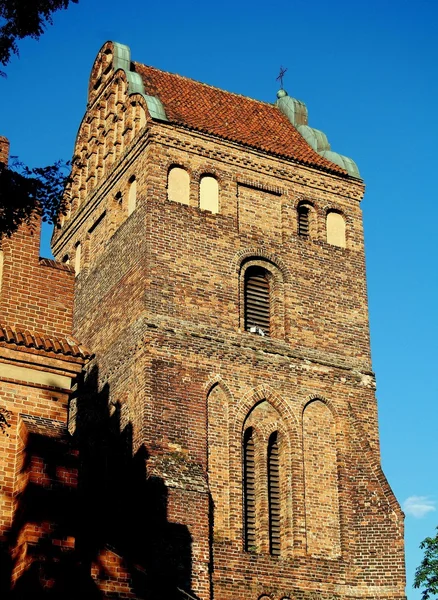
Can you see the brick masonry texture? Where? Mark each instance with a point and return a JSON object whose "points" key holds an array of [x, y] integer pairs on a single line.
{"points": [[159, 414], [39, 358]]}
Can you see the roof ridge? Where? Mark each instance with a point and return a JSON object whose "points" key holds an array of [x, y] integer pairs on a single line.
{"points": [[208, 85]]}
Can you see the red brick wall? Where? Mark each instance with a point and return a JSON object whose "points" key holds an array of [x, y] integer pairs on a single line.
{"points": [[35, 294]]}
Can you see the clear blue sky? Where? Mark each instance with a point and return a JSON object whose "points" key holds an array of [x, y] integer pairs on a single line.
{"points": [[367, 71]]}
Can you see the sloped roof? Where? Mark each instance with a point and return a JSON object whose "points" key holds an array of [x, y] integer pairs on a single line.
{"points": [[39, 341], [232, 117]]}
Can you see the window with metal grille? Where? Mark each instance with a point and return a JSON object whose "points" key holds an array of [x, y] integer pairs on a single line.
{"points": [[274, 495], [303, 221], [249, 488], [257, 301]]}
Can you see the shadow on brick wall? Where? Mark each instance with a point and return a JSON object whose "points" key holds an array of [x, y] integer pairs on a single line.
{"points": [[90, 523]]}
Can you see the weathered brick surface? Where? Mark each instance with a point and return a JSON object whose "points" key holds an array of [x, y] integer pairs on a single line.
{"points": [[38, 463], [36, 294], [160, 416]]}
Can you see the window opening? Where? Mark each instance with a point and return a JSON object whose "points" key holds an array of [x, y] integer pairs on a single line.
{"points": [[303, 221], [132, 195], [178, 185], [335, 225], [274, 495], [257, 308], [249, 491], [209, 194]]}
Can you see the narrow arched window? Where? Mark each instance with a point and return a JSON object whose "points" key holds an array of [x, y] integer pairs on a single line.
{"points": [[249, 490], [335, 225], [274, 495], [78, 249], [132, 195], [257, 301], [209, 193], [178, 185], [303, 221]]}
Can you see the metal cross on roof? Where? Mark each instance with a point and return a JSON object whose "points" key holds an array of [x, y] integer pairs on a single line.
{"points": [[280, 77]]}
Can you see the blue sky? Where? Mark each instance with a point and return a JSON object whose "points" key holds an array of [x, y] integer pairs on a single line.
{"points": [[367, 72]]}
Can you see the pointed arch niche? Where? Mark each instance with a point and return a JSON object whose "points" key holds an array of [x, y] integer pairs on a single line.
{"points": [[218, 459], [321, 481], [266, 482]]}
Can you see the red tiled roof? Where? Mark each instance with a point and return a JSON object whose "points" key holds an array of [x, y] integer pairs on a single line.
{"points": [[39, 341], [230, 116]]}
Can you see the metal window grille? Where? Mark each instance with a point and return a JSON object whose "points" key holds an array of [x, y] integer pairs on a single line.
{"points": [[257, 301], [249, 491], [274, 495]]}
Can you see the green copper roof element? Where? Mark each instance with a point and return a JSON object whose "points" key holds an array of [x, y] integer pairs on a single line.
{"points": [[315, 138], [343, 161], [296, 112], [122, 60]]}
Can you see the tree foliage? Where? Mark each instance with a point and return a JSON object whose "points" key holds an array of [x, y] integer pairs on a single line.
{"points": [[24, 18], [4, 423], [24, 191], [426, 575]]}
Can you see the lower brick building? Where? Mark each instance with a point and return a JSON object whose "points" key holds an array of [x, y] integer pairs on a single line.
{"points": [[221, 438]]}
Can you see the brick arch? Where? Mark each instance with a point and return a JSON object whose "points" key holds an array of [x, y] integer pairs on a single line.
{"points": [[213, 171], [263, 430], [215, 380], [330, 404], [259, 253], [172, 163], [254, 397], [304, 200], [330, 207]]}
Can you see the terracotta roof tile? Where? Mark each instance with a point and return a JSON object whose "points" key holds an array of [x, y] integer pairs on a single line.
{"points": [[22, 337], [230, 116]]}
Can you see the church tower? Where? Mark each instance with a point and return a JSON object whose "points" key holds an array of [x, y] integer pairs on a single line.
{"points": [[220, 283]]}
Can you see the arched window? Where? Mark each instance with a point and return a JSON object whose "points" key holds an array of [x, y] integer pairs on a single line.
{"points": [[303, 220], [78, 249], [267, 495], [132, 195], [249, 490], [257, 301], [274, 495], [178, 185], [209, 194], [335, 225]]}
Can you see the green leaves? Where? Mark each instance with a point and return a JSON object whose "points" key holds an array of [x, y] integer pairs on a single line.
{"points": [[24, 18], [426, 575], [24, 191]]}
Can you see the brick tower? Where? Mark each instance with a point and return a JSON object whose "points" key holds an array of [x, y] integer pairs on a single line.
{"points": [[228, 422]]}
